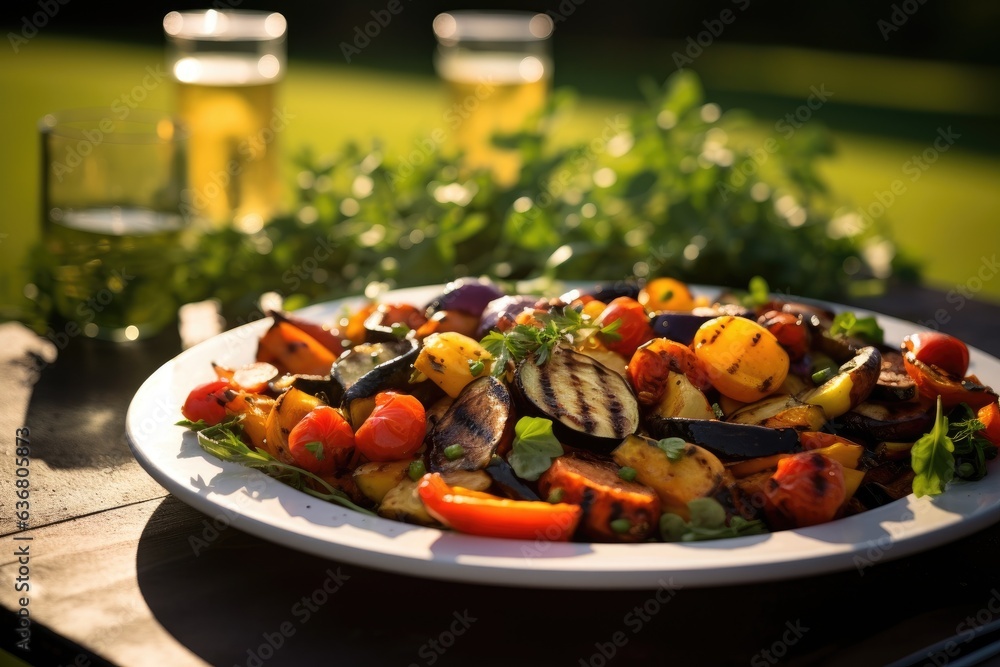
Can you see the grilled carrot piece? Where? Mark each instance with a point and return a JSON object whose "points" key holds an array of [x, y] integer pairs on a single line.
{"points": [[294, 351], [614, 509]]}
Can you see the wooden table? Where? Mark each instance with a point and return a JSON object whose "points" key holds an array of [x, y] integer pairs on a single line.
{"points": [[120, 572]]}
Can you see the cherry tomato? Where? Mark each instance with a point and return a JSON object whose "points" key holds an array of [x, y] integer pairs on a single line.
{"points": [[790, 331], [808, 488], [650, 365], [990, 416], [634, 329], [206, 402], [932, 382], [666, 294], [395, 429], [388, 314], [937, 349], [322, 441]]}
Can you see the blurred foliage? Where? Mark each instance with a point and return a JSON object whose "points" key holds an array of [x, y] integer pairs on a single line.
{"points": [[679, 188]]}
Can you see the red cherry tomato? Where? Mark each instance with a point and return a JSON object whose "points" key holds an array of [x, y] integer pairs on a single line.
{"points": [[649, 367], [395, 429], [206, 402], [634, 329], [322, 441], [990, 416], [937, 349], [790, 331], [807, 489]]}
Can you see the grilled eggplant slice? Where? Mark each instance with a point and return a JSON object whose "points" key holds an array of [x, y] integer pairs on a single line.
{"points": [[851, 386], [782, 411], [894, 384], [590, 405], [730, 442], [364, 358], [481, 419], [873, 422]]}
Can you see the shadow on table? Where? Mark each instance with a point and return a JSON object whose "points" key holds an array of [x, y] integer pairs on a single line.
{"points": [[234, 599]]}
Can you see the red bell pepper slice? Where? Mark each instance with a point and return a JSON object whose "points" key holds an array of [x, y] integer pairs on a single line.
{"points": [[486, 515]]}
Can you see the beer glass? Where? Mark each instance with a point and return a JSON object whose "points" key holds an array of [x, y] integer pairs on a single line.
{"points": [[498, 68], [227, 66]]}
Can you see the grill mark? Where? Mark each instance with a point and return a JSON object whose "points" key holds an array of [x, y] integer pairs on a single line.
{"points": [[580, 414], [733, 368], [548, 393], [755, 339], [765, 386]]}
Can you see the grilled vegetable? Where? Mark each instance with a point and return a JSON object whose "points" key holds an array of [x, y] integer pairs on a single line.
{"points": [[480, 420], [782, 411], [395, 428], [465, 295], [614, 510], [487, 515], [874, 422], [730, 442], [294, 351], [507, 481], [851, 386], [254, 409], [682, 399], [327, 336], [743, 359], [288, 410], [806, 489], [362, 359], [375, 479], [894, 384], [390, 375], [589, 405], [682, 474], [402, 503], [666, 294], [452, 360], [651, 363]]}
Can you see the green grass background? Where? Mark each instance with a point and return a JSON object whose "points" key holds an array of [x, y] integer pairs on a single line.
{"points": [[947, 220]]}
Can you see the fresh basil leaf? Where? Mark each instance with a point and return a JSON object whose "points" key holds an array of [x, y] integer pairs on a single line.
{"points": [[534, 447], [932, 458], [316, 447]]}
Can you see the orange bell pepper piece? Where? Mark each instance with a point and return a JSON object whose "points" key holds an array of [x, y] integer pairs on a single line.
{"points": [[488, 515]]}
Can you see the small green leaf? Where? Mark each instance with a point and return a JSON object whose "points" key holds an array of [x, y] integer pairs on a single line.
{"points": [[674, 448], [534, 447], [865, 328], [316, 447], [476, 367], [932, 459]]}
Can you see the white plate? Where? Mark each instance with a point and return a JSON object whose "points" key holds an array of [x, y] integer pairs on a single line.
{"points": [[257, 504]]}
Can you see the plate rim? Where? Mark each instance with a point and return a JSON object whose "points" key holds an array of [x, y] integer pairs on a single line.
{"points": [[450, 556]]}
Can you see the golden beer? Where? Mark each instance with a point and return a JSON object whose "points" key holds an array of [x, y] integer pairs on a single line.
{"points": [[497, 68], [492, 94], [227, 65], [233, 165]]}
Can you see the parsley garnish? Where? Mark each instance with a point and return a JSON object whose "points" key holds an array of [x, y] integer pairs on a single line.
{"points": [[559, 325], [316, 447], [972, 450]]}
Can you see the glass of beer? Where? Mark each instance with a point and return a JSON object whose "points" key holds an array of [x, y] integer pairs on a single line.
{"points": [[111, 220], [498, 70], [227, 65]]}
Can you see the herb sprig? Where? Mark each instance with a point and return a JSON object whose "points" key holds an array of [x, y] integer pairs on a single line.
{"points": [[708, 522], [560, 325], [223, 442]]}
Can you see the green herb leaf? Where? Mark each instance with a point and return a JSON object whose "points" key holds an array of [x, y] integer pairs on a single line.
{"points": [[674, 447], [932, 458], [865, 328], [316, 447], [758, 292], [534, 447], [223, 442], [559, 325]]}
